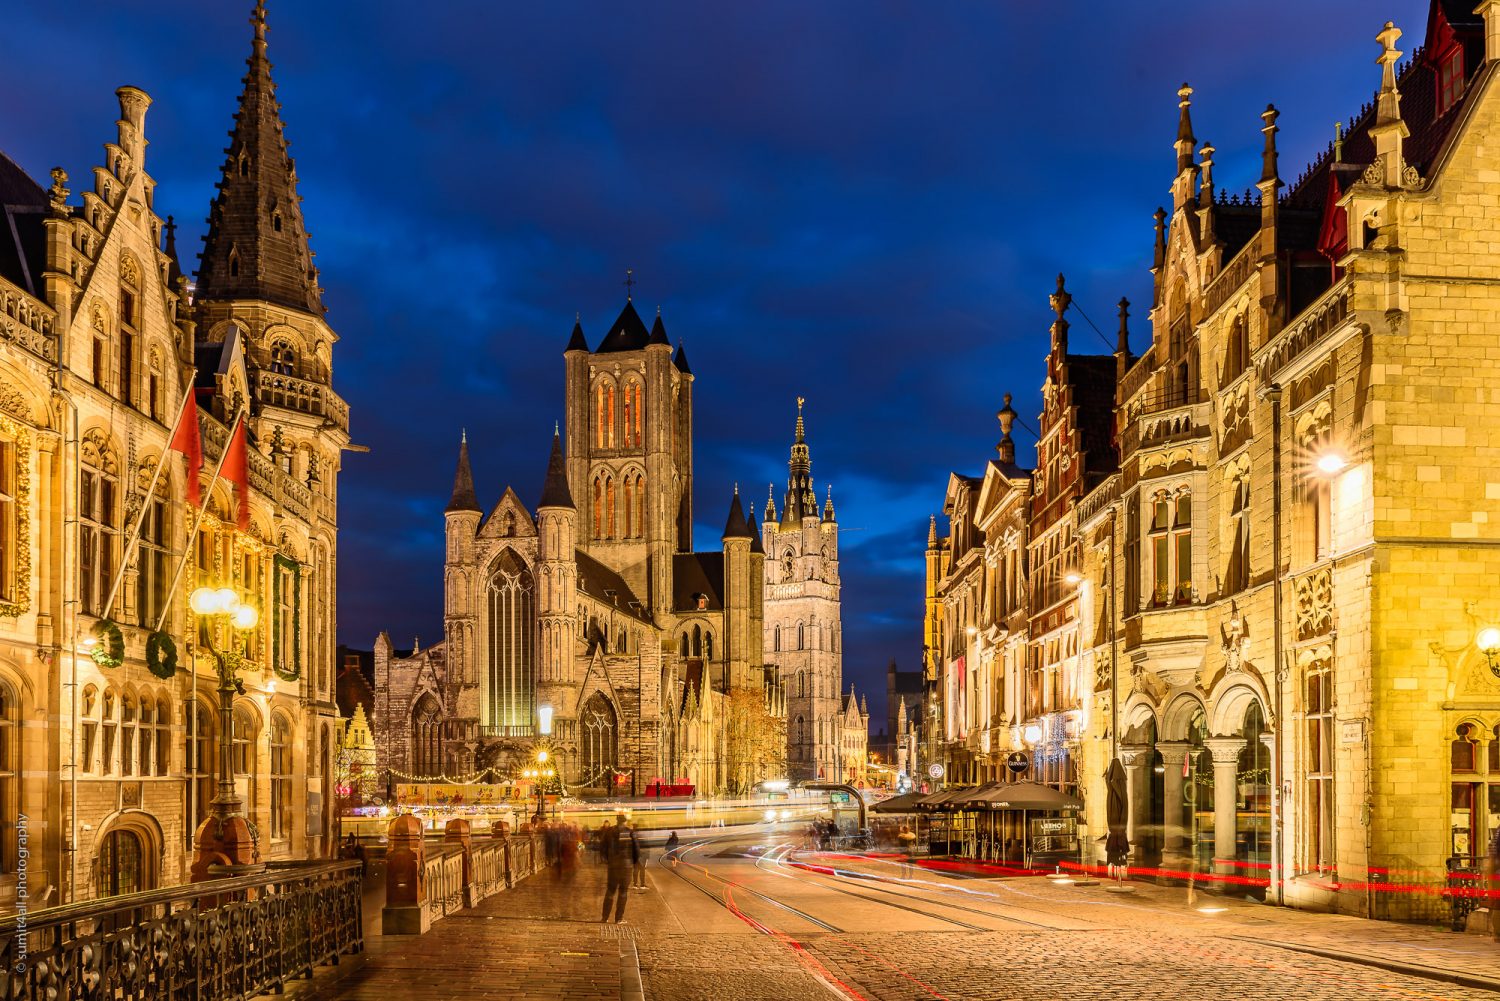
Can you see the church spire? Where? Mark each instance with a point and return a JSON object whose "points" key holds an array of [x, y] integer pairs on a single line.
{"points": [[555, 492], [801, 501], [256, 247], [463, 498]]}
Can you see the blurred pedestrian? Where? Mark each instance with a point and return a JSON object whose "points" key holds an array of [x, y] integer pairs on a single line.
{"points": [[614, 847], [672, 842], [908, 841], [638, 859]]}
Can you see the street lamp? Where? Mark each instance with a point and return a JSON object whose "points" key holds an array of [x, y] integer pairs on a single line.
{"points": [[1488, 642], [1331, 463], [225, 838], [539, 777]]}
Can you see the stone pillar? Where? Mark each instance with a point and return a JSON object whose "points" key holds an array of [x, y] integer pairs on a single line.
{"points": [[405, 911], [458, 832], [1173, 756], [1137, 796], [1226, 755]]}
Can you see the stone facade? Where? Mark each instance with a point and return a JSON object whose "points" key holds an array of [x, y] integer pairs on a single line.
{"points": [[101, 338], [593, 617], [1280, 590], [803, 630]]}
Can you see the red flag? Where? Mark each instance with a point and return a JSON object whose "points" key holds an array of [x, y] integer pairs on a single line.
{"points": [[236, 470], [1333, 235], [185, 440]]}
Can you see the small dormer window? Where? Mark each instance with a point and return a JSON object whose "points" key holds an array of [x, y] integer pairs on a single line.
{"points": [[244, 166], [1450, 78], [276, 222], [702, 600]]}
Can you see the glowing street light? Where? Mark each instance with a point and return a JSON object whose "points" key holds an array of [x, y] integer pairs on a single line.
{"points": [[1073, 579], [1331, 463], [1488, 642]]}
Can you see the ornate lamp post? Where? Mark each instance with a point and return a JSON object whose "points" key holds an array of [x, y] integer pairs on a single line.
{"points": [[226, 837], [540, 776]]}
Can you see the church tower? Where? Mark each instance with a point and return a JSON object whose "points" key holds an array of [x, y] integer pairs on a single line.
{"points": [[557, 519], [461, 524], [629, 452], [257, 286], [803, 626]]}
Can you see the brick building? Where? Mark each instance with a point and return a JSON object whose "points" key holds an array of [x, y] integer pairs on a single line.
{"points": [[107, 763], [1281, 588]]}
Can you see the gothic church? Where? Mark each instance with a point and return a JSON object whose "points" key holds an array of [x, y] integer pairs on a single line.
{"points": [[589, 625]]}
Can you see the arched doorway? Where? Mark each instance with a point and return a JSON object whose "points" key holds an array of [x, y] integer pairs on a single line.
{"points": [[599, 741], [123, 865]]}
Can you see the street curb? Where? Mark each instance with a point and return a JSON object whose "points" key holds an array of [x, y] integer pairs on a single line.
{"points": [[630, 971], [1364, 959]]}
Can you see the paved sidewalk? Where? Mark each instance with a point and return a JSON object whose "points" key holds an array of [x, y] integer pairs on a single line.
{"points": [[542, 939], [1419, 949]]}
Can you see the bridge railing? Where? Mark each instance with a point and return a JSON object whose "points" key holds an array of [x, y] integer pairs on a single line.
{"points": [[219, 940]]}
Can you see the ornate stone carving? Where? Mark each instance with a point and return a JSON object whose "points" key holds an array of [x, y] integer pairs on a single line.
{"points": [[19, 598], [1314, 598], [1234, 637], [1375, 172]]}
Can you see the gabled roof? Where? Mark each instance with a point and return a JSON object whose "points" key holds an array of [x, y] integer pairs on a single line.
{"points": [[23, 206], [555, 491], [627, 333], [605, 585], [735, 526], [256, 246], [1093, 380], [508, 519], [694, 574]]}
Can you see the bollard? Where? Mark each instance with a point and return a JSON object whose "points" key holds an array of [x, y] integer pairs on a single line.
{"points": [[457, 832], [405, 911]]}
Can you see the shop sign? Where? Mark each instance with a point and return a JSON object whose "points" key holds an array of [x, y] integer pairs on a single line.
{"points": [[1018, 761], [1352, 732]]}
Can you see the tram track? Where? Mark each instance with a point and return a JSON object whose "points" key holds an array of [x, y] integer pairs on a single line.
{"points": [[724, 899]]}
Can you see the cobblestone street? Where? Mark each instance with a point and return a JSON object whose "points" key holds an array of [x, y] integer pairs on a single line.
{"points": [[744, 921]]}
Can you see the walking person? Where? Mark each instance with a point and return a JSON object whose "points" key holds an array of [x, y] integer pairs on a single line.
{"points": [[614, 849], [637, 859], [672, 843], [908, 839]]}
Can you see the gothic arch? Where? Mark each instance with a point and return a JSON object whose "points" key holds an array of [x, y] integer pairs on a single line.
{"points": [[1232, 698], [598, 741], [1178, 715]]}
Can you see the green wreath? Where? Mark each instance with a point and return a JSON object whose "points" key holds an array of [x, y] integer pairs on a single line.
{"points": [[110, 650], [161, 655]]}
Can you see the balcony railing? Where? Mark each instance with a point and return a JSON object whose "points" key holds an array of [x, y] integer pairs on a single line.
{"points": [[280, 390], [223, 939]]}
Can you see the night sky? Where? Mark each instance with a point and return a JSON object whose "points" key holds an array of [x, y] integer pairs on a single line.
{"points": [[864, 203]]}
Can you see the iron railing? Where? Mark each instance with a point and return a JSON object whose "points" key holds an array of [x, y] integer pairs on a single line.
{"points": [[221, 940]]}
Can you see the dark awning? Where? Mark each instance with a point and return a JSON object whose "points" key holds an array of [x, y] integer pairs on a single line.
{"points": [[1024, 796], [905, 803]]}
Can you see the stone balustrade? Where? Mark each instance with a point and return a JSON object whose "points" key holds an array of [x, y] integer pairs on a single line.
{"points": [[425, 884]]}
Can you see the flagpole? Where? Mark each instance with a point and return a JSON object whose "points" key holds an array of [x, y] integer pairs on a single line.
{"points": [[140, 518], [197, 523]]}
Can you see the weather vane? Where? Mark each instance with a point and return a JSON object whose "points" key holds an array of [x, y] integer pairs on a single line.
{"points": [[630, 283]]}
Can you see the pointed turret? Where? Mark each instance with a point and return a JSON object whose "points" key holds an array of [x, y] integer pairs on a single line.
{"points": [[1006, 415], [828, 505], [256, 247], [627, 333], [169, 247], [1389, 131], [770, 503], [756, 546], [555, 492], [577, 341], [1185, 141], [1122, 341], [659, 331], [932, 538], [736, 527], [680, 360], [463, 498]]}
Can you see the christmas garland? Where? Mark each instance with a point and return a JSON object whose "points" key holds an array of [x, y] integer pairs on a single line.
{"points": [[161, 655], [110, 650], [294, 656]]}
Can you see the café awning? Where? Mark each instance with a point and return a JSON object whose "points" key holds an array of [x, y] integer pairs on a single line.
{"points": [[905, 803], [1023, 796]]}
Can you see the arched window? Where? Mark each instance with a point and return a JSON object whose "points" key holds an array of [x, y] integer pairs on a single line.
{"points": [[598, 730], [111, 724], [604, 414], [198, 760], [242, 753], [801, 637], [1465, 749], [10, 774], [697, 641], [610, 531], [640, 507], [511, 696], [130, 323], [153, 559], [776, 642], [684, 643], [598, 508], [801, 684], [283, 359], [426, 737], [281, 777], [90, 729], [1237, 576], [122, 864], [630, 526], [147, 737], [163, 734], [98, 521]]}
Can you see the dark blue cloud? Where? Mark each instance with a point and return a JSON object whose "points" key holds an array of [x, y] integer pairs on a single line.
{"points": [[862, 202]]}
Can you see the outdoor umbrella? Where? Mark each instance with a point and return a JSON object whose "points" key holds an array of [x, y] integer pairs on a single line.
{"points": [[1117, 812]]}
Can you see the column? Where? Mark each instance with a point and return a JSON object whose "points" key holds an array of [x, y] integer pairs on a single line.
{"points": [[1137, 797], [1173, 756], [1226, 755]]}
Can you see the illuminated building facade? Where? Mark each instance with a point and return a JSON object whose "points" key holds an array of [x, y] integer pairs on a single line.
{"points": [[1280, 587], [107, 763], [589, 622]]}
